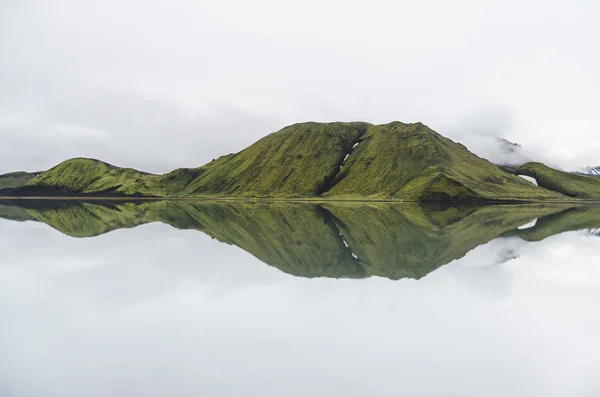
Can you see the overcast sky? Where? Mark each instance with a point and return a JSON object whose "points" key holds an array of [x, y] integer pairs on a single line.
{"points": [[160, 85]]}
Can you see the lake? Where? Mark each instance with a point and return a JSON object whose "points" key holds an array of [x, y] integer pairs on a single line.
{"points": [[192, 298]]}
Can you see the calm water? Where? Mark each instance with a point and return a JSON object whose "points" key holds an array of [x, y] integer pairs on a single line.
{"points": [[191, 299]]}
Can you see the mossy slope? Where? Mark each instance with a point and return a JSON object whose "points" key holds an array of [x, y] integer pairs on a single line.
{"points": [[413, 162], [15, 179], [358, 160], [572, 185], [82, 176], [299, 161]]}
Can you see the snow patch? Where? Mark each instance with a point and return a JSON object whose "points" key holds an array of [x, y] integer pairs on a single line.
{"points": [[347, 154], [347, 246], [530, 179], [528, 225], [344, 241], [595, 171]]}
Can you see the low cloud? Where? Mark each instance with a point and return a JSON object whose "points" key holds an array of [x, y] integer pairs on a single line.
{"points": [[129, 130]]}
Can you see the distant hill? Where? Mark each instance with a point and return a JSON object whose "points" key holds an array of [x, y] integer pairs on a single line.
{"points": [[594, 171], [15, 179], [577, 186], [350, 161]]}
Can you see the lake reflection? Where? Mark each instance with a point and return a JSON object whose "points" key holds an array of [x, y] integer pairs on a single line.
{"points": [[505, 302]]}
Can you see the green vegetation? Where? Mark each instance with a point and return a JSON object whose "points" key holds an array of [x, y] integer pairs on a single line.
{"points": [[350, 240], [90, 177], [572, 185], [15, 179], [299, 161], [349, 161], [413, 162]]}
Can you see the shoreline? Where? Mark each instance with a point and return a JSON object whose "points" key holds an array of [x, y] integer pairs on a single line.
{"points": [[293, 200]]}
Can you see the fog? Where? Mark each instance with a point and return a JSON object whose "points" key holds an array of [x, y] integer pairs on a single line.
{"points": [[155, 86]]}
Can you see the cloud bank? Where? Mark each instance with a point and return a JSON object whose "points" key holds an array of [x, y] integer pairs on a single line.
{"points": [[155, 87]]}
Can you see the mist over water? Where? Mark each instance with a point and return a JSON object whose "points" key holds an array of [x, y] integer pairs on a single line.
{"points": [[227, 299]]}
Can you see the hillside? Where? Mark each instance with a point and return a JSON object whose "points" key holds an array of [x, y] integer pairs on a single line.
{"points": [[15, 179], [300, 161], [413, 162], [89, 177], [572, 185], [350, 161]]}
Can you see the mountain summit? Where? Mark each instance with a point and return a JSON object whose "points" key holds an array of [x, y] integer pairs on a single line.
{"points": [[351, 161]]}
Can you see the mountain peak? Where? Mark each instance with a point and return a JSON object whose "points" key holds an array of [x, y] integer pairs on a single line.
{"points": [[339, 160]]}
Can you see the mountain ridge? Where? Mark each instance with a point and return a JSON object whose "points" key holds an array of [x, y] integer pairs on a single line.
{"points": [[340, 160]]}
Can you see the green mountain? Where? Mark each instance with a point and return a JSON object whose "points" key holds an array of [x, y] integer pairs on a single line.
{"points": [[350, 240], [299, 161], [90, 177], [413, 162], [15, 179], [578, 186], [349, 161]]}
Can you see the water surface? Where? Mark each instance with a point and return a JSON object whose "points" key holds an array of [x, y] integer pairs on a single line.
{"points": [[225, 299]]}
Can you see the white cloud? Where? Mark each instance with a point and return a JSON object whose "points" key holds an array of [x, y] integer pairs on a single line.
{"points": [[131, 67]]}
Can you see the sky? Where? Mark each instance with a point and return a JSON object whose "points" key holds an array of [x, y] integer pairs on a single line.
{"points": [[160, 85]]}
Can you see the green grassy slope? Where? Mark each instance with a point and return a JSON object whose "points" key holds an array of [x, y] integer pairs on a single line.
{"points": [[299, 161], [572, 185], [411, 161], [353, 240], [87, 176], [15, 179], [331, 160]]}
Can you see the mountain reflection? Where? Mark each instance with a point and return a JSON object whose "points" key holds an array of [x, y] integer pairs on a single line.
{"points": [[338, 240]]}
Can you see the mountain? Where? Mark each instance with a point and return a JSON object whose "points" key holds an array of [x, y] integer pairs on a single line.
{"points": [[576, 186], [413, 162], [16, 179], [350, 161], [594, 171], [350, 240], [301, 160], [89, 177]]}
